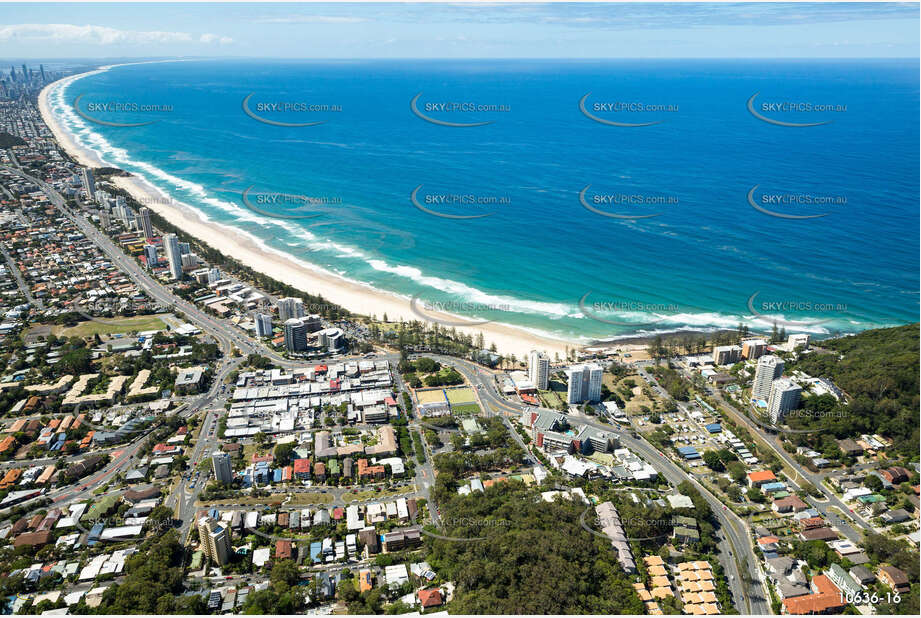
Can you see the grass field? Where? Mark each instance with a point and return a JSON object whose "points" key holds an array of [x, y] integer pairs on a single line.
{"points": [[639, 399], [466, 408], [310, 498], [102, 505], [435, 395], [553, 399], [460, 395], [273, 500], [104, 326], [251, 449], [361, 496]]}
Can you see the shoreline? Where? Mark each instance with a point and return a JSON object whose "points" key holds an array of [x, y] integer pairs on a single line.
{"points": [[357, 297], [353, 296]]}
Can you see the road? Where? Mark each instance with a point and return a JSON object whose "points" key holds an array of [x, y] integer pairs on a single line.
{"points": [[847, 528], [226, 335], [17, 274], [737, 554], [736, 537]]}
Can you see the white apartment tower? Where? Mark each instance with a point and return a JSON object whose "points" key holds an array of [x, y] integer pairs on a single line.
{"points": [[538, 369], [173, 256], [769, 368], [585, 383], [220, 464], [144, 222], [289, 308], [295, 335], [784, 397], [88, 183], [263, 325], [150, 255]]}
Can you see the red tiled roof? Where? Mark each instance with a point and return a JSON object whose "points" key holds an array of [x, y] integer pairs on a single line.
{"points": [[761, 476], [826, 598], [283, 550], [430, 598]]}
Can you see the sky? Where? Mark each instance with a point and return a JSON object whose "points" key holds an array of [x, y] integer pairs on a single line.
{"points": [[495, 30]]}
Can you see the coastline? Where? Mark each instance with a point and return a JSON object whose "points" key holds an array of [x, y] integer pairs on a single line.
{"points": [[355, 297]]}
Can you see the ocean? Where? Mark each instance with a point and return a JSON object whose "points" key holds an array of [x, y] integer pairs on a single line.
{"points": [[588, 200]]}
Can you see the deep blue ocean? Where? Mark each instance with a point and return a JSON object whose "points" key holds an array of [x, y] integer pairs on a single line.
{"points": [[708, 168]]}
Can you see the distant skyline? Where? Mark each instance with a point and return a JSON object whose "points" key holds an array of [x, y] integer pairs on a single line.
{"points": [[679, 30]]}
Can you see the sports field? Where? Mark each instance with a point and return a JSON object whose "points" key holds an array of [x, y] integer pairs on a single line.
{"points": [[466, 408], [460, 395], [435, 395], [106, 326]]}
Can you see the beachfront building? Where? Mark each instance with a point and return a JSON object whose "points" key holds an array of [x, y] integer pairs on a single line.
{"points": [[313, 322], [727, 354], [784, 397], [295, 335], [89, 185], [753, 349], [290, 308], [538, 369], [223, 472], [333, 339], [769, 369], [263, 325], [173, 255], [800, 340], [143, 219], [585, 383]]}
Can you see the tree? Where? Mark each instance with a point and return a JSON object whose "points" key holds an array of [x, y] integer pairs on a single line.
{"points": [[736, 471], [283, 575], [284, 453], [713, 461], [873, 482]]}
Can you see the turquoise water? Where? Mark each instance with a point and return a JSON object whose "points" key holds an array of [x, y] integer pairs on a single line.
{"points": [[711, 257]]}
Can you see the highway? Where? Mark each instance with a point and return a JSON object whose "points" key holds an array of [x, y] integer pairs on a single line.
{"points": [[737, 553]]}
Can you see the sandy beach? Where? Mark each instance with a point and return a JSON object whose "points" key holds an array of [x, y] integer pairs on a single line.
{"points": [[353, 296]]}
